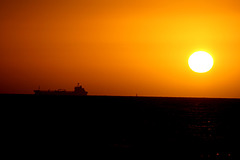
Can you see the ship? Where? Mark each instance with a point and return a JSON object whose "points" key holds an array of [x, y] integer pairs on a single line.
{"points": [[78, 91]]}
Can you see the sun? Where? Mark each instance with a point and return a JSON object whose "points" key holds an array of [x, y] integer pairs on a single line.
{"points": [[200, 62]]}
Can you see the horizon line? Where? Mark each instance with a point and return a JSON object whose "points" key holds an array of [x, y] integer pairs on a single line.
{"points": [[143, 96]]}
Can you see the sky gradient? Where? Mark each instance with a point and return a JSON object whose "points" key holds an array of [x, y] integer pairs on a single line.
{"points": [[120, 47]]}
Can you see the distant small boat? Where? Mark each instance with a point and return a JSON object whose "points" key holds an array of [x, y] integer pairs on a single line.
{"points": [[78, 91]]}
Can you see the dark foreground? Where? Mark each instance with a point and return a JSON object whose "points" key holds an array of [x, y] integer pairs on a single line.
{"points": [[120, 127]]}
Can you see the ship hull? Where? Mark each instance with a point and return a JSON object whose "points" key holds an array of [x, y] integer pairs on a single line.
{"points": [[39, 92]]}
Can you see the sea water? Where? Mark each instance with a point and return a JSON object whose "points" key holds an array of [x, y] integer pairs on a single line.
{"points": [[121, 127]]}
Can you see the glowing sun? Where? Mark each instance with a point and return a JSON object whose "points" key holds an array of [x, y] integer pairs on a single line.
{"points": [[200, 62]]}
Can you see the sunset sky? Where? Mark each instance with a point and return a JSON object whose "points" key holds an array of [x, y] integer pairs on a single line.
{"points": [[120, 47]]}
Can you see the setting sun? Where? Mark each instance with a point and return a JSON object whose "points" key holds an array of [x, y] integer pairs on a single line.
{"points": [[200, 62]]}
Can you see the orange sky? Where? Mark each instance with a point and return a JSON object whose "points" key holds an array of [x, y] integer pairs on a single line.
{"points": [[120, 47]]}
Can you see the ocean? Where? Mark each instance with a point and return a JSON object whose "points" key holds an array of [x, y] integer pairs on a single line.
{"points": [[113, 127]]}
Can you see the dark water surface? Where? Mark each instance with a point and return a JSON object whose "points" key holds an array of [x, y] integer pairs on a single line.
{"points": [[120, 127]]}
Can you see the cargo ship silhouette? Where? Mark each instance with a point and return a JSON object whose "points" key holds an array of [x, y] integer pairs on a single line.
{"points": [[78, 91]]}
